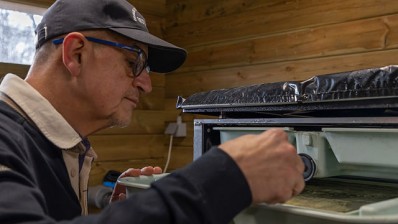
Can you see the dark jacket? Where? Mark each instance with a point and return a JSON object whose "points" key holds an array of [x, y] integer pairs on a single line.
{"points": [[35, 187]]}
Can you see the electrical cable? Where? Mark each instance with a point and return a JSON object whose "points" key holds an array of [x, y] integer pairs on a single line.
{"points": [[168, 154]]}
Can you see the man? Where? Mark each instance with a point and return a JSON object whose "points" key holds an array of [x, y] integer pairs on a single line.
{"points": [[91, 66]]}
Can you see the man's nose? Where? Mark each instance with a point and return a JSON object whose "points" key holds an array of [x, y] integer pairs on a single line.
{"points": [[143, 82]]}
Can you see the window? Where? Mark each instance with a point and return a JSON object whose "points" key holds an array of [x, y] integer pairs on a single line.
{"points": [[17, 37]]}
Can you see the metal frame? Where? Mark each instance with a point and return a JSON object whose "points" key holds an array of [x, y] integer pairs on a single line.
{"points": [[205, 136]]}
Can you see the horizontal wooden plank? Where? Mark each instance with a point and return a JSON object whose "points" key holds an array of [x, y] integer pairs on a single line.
{"points": [[142, 122], [153, 100], [151, 122], [17, 69], [38, 3], [192, 82], [275, 19], [171, 116], [344, 38], [154, 25], [128, 147], [153, 7], [157, 79], [182, 141], [180, 157], [170, 104], [183, 11]]}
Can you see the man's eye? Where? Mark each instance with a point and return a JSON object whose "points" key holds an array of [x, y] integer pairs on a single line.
{"points": [[131, 64]]}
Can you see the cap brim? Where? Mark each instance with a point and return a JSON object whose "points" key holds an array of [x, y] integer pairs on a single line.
{"points": [[163, 56]]}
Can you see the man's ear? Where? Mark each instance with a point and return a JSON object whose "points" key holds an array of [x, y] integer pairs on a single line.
{"points": [[74, 45]]}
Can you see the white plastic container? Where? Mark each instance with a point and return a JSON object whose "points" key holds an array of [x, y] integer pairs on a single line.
{"points": [[136, 184]]}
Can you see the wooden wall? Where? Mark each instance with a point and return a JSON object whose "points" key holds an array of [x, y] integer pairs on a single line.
{"points": [[242, 42]]}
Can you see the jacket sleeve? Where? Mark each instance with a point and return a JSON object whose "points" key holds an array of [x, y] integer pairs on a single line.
{"points": [[212, 189]]}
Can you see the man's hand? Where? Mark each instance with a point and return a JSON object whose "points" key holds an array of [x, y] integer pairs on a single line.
{"points": [[270, 164], [119, 193]]}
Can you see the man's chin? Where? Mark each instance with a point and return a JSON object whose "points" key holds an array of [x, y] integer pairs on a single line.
{"points": [[120, 123], [119, 126]]}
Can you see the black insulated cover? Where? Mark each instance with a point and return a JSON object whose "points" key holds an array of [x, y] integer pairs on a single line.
{"points": [[367, 88]]}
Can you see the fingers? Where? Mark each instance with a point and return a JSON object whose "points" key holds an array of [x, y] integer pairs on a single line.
{"points": [[147, 171], [300, 184], [119, 192], [270, 164], [117, 197], [121, 196], [298, 188], [132, 172], [157, 170]]}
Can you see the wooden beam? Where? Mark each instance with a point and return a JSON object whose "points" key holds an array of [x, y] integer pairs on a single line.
{"points": [[127, 147], [375, 34], [17, 69], [153, 7], [185, 84], [265, 19]]}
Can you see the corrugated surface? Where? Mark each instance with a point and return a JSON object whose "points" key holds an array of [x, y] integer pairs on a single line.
{"points": [[366, 84]]}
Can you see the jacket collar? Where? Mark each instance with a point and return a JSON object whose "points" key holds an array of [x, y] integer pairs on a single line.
{"points": [[38, 109]]}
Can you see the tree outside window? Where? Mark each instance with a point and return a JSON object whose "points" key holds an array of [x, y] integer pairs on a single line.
{"points": [[17, 37]]}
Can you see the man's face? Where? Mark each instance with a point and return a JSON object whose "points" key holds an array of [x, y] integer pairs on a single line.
{"points": [[114, 94]]}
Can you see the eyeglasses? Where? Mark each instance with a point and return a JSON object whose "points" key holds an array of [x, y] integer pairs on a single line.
{"points": [[141, 59]]}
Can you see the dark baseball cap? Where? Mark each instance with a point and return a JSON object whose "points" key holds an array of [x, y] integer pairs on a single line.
{"points": [[66, 16]]}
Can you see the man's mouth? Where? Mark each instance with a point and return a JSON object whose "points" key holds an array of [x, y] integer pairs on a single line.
{"points": [[135, 101]]}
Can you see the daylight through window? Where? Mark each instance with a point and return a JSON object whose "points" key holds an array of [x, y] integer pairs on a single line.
{"points": [[17, 37]]}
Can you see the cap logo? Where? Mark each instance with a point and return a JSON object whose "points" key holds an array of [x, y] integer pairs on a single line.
{"points": [[136, 18], [45, 31]]}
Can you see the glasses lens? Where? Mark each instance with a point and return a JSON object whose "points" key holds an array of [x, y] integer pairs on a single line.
{"points": [[140, 64]]}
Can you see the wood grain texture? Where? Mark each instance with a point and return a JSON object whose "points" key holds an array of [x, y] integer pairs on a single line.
{"points": [[180, 157], [268, 19], [149, 122], [191, 82], [355, 37], [142, 122], [17, 69], [186, 12], [152, 7], [127, 147], [38, 3]]}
